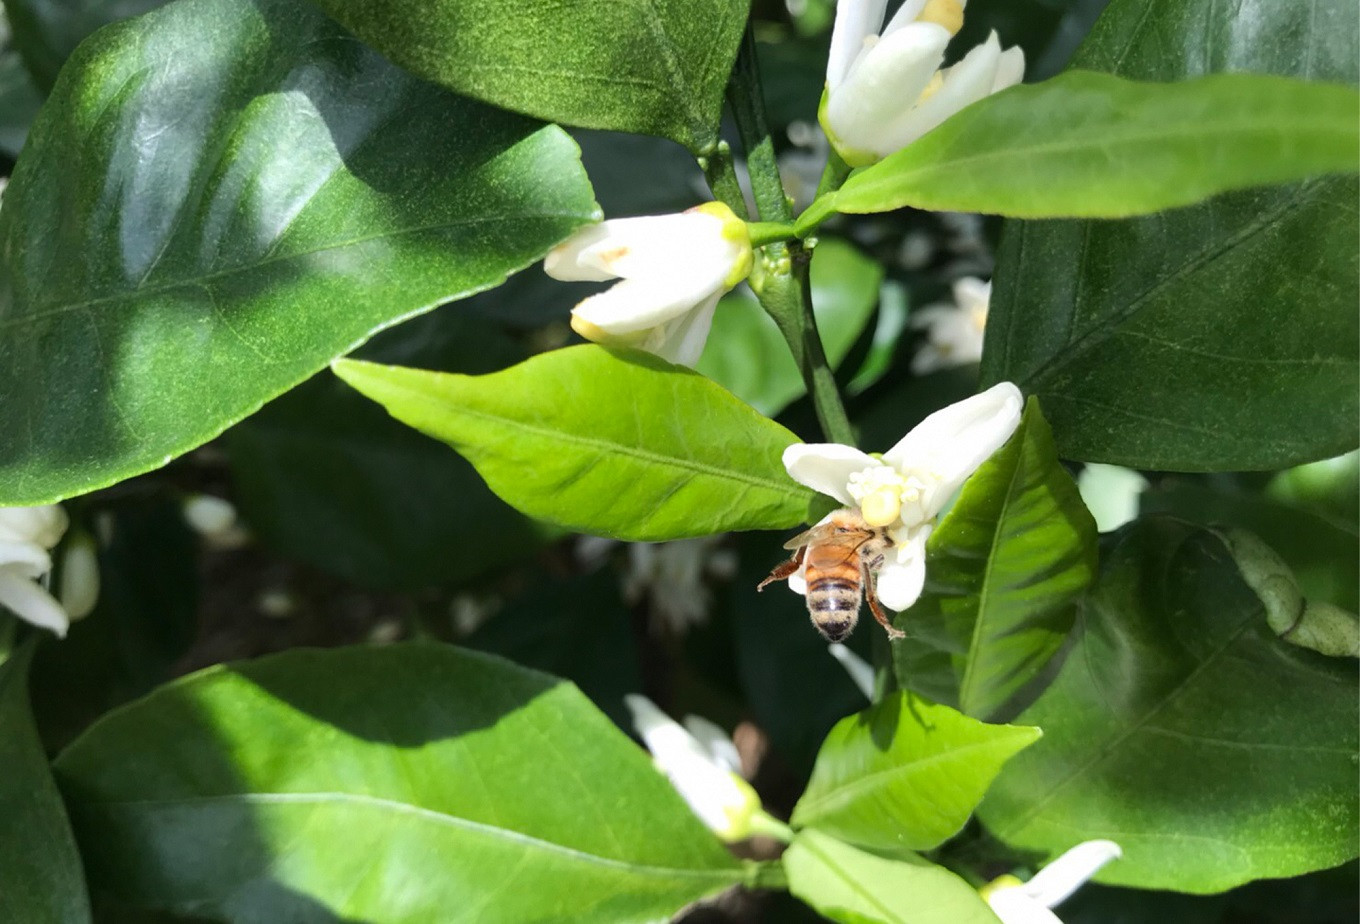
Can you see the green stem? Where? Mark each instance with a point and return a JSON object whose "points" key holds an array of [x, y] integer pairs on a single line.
{"points": [[720, 170], [769, 232], [780, 278], [764, 823], [833, 175]]}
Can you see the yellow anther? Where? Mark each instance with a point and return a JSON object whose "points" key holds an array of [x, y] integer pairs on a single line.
{"points": [[597, 334], [881, 507], [947, 13], [936, 81]]}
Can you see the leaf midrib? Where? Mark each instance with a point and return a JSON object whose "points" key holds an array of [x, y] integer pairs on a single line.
{"points": [[440, 818], [190, 282], [836, 797], [606, 448]]}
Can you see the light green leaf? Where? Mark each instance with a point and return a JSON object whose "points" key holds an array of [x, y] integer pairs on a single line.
{"points": [[656, 67], [1093, 145], [406, 783], [198, 224], [620, 444], [1180, 727], [1218, 337], [853, 886], [40, 874], [1005, 569], [746, 353], [904, 774]]}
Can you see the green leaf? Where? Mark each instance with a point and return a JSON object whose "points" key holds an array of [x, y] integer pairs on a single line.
{"points": [[1092, 145], [853, 886], [747, 354], [620, 444], [904, 774], [1183, 729], [197, 226], [1178, 341], [1323, 553], [47, 31], [40, 874], [1005, 569], [407, 783], [656, 67], [324, 476]]}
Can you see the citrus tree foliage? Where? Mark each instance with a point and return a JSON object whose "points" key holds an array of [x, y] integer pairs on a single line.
{"points": [[341, 581]]}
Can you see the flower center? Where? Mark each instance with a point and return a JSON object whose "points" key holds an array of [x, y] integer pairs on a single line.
{"points": [[947, 13], [886, 496]]}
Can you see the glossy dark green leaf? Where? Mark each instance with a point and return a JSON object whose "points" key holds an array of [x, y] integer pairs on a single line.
{"points": [[408, 783], [1005, 569], [904, 774], [619, 444], [853, 886], [40, 874], [656, 67], [747, 354], [1221, 336], [1323, 553], [1086, 144], [1180, 727], [47, 31], [195, 227], [323, 475]]}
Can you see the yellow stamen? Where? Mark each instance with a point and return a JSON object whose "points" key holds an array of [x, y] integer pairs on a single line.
{"points": [[947, 13], [881, 507], [936, 81]]}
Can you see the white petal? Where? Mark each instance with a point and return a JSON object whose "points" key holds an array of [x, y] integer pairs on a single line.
{"points": [[905, 15], [26, 558], [1111, 493], [564, 261], [856, 20], [44, 525], [677, 246], [900, 582], [964, 84], [887, 78], [715, 741], [927, 317], [634, 305], [25, 599], [684, 339], [671, 745], [1011, 69], [861, 674], [972, 293], [209, 515], [955, 440], [827, 467], [79, 589], [1013, 906], [798, 580], [1065, 875]]}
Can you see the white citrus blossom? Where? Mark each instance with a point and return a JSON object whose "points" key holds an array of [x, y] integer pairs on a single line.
{"points": [[1017, 902], [27, 534], [701, 763], [904, 490], [954, 331], [884, 85], [1111, 493], [673, 269]]}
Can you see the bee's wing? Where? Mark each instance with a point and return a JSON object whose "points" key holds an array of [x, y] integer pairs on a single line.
{"points": [[807, 537]]}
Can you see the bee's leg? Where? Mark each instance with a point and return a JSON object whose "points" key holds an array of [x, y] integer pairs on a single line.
{"points": [[784, 569], [871, 594]]}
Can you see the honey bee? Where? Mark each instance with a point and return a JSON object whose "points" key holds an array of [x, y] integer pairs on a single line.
{"points": [[838, 558]]}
